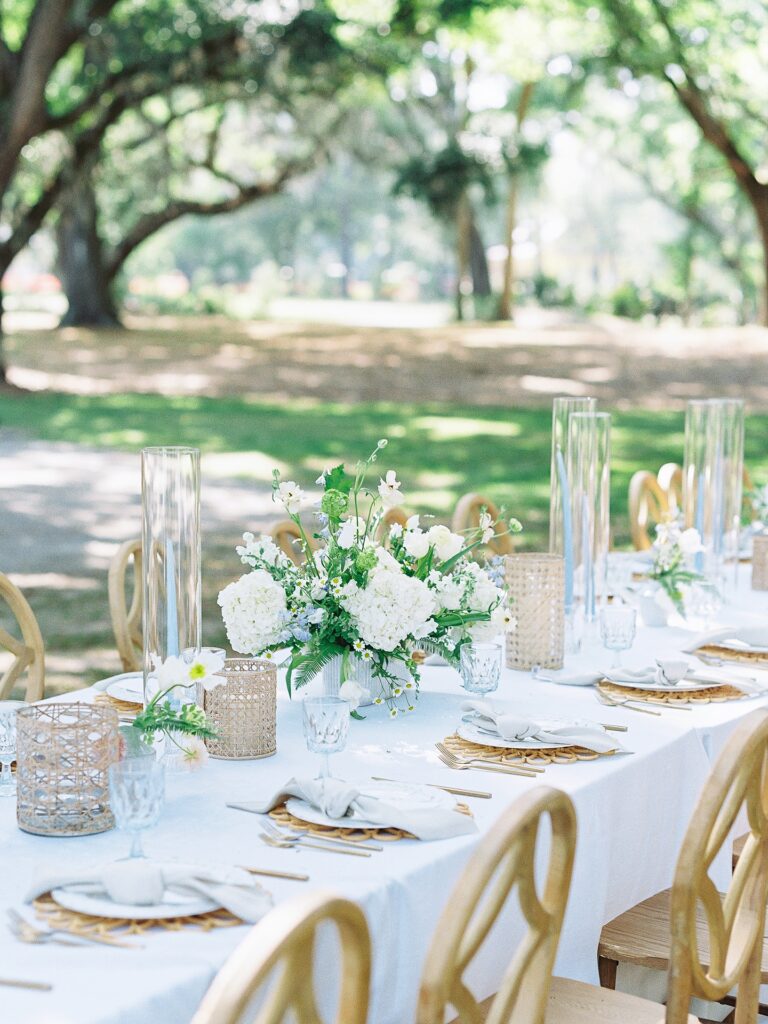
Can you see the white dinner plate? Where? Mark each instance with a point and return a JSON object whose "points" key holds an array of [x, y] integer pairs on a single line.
{"points": [[128, 686], [173, 905], [684, 686], [471, 732], [416, 796]]}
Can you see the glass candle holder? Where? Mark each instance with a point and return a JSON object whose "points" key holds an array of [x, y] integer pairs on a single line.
{"points": [[589, 473], [170, 495], [536, 587], [64, 751], [760, 562], [243, 711]]}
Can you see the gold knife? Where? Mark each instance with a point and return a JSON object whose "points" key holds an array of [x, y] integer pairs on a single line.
{"points": [[37, 986], [276, 874]]}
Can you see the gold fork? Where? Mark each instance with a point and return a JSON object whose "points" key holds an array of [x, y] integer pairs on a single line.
{"points": [[298, 833], [26, 932], [292, 844], [454, 761]]}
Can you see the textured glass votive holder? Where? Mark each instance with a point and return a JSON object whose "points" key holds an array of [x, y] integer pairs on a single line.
{"points": [[760, 562], [64, 751], [536, 587]]}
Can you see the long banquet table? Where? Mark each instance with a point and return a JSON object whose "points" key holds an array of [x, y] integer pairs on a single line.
{"points": [[632, 811]]}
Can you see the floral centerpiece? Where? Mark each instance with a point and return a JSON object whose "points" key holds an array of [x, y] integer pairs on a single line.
{"points": [[370, 594], [169, 714], [672, 548]]}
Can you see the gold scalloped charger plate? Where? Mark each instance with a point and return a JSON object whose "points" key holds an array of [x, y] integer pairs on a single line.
{"points": [[101, 906]]}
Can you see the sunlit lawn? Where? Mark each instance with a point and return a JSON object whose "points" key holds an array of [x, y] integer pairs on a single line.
{"points": [[440, 451]]}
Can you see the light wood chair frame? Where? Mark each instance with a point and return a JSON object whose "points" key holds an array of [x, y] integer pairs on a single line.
{"points": [[29, 652], [287, 535], [648, 504], [284, 941], [735, 923], [504, 860], [466, 516], [126, 621], [393, 516], [670, 480]]}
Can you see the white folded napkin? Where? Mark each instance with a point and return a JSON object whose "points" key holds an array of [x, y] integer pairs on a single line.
{"points": [[140, 882], [339, 799], [665, 672], [739, 638], [513, 727], [585, 679]]}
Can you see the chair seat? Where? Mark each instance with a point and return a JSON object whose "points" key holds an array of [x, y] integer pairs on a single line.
{"points": [[641, 936], [573, 1002]]}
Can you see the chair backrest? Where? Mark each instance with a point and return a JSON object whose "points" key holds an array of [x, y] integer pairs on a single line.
{"points": [[670, 480], [281, 948], [28, 651], [648, 506], [390, 517], [126, 619], [505, 859], [466, 516], [287, 535], [738, 781]]}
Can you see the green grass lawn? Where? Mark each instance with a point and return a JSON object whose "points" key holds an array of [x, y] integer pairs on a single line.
{"points": [[440, 451]]}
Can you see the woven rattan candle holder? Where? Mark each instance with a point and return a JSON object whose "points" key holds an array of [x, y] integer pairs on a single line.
{"points": [[536, 586], [760, 562], [243, 711], [64, 752]]}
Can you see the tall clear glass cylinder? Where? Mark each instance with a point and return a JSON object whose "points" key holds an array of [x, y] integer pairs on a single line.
{"points": [[589, 477], [560, 520], [713, 475], [170, 495]]}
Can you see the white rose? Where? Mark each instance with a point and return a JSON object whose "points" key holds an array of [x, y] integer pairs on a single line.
{"points": [[416, 543], [445, 543], [352, 691], [690, 542]]}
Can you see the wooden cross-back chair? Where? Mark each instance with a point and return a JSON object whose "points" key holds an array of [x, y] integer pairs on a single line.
{"points": [[709, 943], [28, 652], [391, 517], [670, 479], [281, 949], [504, 860], [648, 506], [287, 535], [126, 618], [466, 516]]}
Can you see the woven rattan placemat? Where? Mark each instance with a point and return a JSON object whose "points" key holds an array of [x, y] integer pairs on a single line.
{"points": [[73, 921], [714, 695], [356, 835], [727, 654], [123, 707], [518, 755]]}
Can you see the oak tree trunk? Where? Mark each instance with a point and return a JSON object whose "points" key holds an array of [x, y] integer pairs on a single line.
{"points": [[478, 263], [81, 260]]}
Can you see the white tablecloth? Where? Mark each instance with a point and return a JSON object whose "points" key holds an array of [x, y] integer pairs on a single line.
{"points": [[632, 812]]}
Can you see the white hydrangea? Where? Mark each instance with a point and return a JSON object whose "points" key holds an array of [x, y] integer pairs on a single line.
{"points": [[254, 611], [390, 608], [448, 591]]}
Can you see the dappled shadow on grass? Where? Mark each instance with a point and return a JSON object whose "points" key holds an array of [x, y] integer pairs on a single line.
{"points": [[439, 450]]}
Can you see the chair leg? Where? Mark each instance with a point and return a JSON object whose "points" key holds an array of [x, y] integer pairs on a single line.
{"points": [[607, 971]]}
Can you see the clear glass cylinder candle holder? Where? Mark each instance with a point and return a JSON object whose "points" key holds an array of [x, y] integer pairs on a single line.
{"points": [[64, 751], [170, 495], [536, 588], [713, 474], [589, 474], [560, 529]]}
